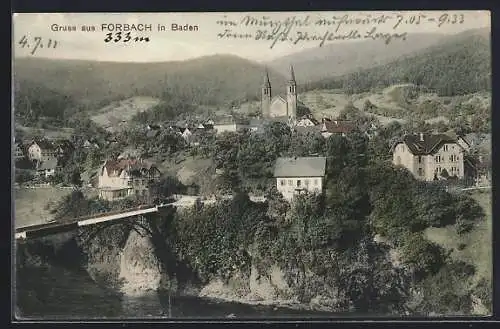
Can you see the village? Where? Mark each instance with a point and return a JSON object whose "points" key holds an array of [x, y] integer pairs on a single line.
{"points": [[429, 156]]}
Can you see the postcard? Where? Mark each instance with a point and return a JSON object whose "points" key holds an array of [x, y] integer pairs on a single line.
{"points": [[251, 165]]}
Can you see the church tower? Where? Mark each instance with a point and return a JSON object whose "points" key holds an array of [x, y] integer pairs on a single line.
{"points": [[266, 97], [291, 96]]}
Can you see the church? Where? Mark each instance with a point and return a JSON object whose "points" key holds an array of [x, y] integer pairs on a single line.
{"points": [[279, 107]]}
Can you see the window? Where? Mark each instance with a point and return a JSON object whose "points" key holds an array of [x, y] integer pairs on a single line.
{"points": [[419, 159], [282, 182], [306, 182], [298, 182], [290, 182], [437, 158], [316, 181], [420, 172], [445, 148]]}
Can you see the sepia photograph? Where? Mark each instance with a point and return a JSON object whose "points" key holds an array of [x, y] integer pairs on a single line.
{"points": [[251, 165]]}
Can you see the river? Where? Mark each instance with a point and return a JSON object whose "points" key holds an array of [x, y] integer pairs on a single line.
{"points": [[60, 294]]}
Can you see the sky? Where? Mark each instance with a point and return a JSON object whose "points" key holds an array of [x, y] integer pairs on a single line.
{"points": [[32, 30]]}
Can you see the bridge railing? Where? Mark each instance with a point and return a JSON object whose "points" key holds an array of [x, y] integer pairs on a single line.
{"points": [[110, 213], [81, 218]]}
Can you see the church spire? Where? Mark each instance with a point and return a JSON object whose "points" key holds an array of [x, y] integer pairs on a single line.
{"points": [[267, 83], [292, 74]]}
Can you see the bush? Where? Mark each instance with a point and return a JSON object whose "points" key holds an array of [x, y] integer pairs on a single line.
{"points": [[423, 256], [484, 292], [448, 291], [23, 176]]}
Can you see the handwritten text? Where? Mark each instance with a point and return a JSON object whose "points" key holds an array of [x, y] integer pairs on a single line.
{"points": [[310, 28], [36, 43]]}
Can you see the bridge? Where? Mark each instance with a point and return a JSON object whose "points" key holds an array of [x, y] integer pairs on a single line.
{"points": [[39, 230]]}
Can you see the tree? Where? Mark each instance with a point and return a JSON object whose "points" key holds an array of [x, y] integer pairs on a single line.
{"points": [[166, 187], [448, 291], [71, 206], [484, 292], [277, 205], [73, 177], [424, 257], [367, 105]]}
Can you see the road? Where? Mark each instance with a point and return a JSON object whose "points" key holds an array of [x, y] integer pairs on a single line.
{"points": [[189, 200]]}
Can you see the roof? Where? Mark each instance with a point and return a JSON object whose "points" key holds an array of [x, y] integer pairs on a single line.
{"points": [[115, 167], [304, 129], [48, 164], [227, 120], [267, 83], [279, 97], [429, 143], [64, 143], [300, 167], [310, 118], [338, 127], [44, 144], [112, 189]]}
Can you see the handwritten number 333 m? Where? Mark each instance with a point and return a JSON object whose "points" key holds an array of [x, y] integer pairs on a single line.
{"points": [[118, 37]]}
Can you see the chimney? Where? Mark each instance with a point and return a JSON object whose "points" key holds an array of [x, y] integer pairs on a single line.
{"points": [[421, 137]]}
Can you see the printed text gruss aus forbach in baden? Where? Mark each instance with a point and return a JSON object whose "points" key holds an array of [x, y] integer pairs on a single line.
{"points": [[109, 27]]}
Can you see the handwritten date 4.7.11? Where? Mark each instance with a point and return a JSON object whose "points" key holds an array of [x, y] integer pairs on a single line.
{"points": [[124, 37], [36, 43]]}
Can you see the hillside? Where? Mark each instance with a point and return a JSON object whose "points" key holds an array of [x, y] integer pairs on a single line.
{"points": [[113, 115], [211, 80], [404, 102], [459, 65], [342, 58]]}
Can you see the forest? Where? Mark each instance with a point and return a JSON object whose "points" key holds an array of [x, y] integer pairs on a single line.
{"points": [[451, 68]]}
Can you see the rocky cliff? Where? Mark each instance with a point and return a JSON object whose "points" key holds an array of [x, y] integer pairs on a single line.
{"points": [[126, 259]]}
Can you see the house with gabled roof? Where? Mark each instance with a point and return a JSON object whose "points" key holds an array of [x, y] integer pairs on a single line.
{"points": [[299, 175], [41, 150], [48, 168], [121, 178], [18, 151], [228, 124], [336, 127], [64, 147], [307, 121], [430, 156]]}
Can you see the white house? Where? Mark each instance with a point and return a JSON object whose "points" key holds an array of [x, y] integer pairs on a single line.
{"points": [[228, 124], [47, 168], [18, 151], [231, 127], [428, 156], [300, 174], [307, 122], [41, 150], [89, 144], [186, 134], [126, 177]]}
